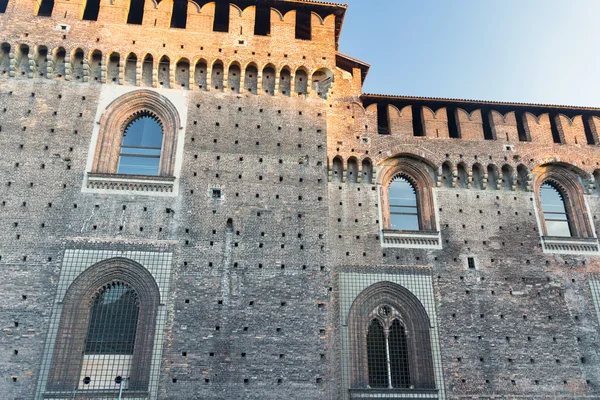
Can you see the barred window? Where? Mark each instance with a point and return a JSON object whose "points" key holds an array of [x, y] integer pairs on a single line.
{"points": [[555, 212], [141, 146], [387, 351], [110, 338], [404, 212]]}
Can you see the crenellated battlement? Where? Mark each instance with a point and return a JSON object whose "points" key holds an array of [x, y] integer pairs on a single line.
{"points": [[474, 121], [276, 24]]}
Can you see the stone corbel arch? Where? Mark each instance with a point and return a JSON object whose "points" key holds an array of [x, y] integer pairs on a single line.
{"points": [[568, 183], [415, 320], [416, 173], [119, 113], [70, 342]]}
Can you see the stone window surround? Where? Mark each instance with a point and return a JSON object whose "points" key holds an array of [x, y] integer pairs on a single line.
{"points": [[116, 107], [415, 321], [70, 340], [415, 171]]}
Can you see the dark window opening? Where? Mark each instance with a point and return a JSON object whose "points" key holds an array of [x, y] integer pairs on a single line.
{"points": [[221, 23], [453, 127], [589, 135], [376, 355], [398, 350], [303, 25], [141, 147], [136, 12], [45, 9], [417, 120], [113, 321], [179, 15], [471, 262], [556, 136], [383, 119], [262, 25], [522, 127], [216, 193], [387, 355], [404, 212], [486, 116], [555, 212], [3, 5], [92, 8]]}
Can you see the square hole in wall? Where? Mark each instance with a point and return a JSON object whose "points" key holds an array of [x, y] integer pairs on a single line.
{"points": [[216, 193]]}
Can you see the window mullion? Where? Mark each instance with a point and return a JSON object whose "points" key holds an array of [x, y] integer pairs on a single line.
{"points": [[387, 357]]}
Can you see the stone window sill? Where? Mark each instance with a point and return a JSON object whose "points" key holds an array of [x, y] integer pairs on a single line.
{"points": [[570, 245], [411, 239], [392, 394], [151, 185], [95, 394]]}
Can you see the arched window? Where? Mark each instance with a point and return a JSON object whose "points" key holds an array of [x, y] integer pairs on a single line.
{"points": [[555, 212], [387, 351], [137, 136], [404, 212], [106, 333], [110, 338], [141, 146], [389, 341]]}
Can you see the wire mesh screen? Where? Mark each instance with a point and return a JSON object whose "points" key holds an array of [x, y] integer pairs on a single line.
{"points": [[110, 338], [389, 334], [107, 315]]}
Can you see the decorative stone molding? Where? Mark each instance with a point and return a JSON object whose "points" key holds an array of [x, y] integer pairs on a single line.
{"points": [[416, 173], [411, 240], [564, 245], [393, 394], [133, 183], [570, 187], [415, 321], [119, 113]]}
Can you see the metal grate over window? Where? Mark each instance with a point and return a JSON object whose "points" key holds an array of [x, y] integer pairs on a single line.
{"points": [[387, 351], [110, 339]]}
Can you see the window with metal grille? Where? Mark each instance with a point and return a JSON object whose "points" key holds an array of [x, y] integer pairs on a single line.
{"points": [[387, 352], [556, 217], [110, 338], [141, 146], [404, 212]]}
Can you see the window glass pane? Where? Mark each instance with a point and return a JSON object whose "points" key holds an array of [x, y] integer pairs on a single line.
{"points": [[144, 131], [399, 356], [558, 228], [376, 356], [138, 165], [555, 214], [404, 222], [113, 321], [141, 147], [404, 214]]}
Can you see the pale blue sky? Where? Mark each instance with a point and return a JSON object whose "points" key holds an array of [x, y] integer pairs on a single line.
{"points": [[536, 51]]}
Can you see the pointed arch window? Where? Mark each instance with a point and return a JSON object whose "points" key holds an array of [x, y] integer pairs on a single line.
{"points": [[404, 211], [555, 213], [141, 146], [387, 351]]}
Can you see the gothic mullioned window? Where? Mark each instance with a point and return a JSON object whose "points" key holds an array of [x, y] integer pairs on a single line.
{"points": [[387, 351], [389, 341]]}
